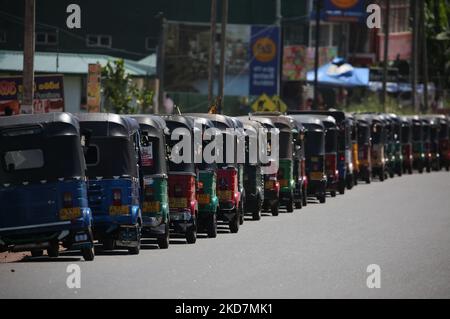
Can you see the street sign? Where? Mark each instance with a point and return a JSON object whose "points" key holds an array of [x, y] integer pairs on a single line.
{"points": [[264, 104], [280, 105]]}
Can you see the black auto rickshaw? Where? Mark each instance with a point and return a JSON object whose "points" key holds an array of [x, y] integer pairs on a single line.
{"points": [[183, 205], [378, 139], [418, 144], [253, 175], [435, 128], [396, 144], [114, 179], [43, 188], [444, 144], [208, 202], [426, 129], [407, 146], [300, 178], [271, 177], [354, 166], [314, 155], [364, 148], [153, 165]]}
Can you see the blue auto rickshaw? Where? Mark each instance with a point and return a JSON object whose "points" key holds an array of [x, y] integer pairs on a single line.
{"points": [[114, 180], [43, 190]]}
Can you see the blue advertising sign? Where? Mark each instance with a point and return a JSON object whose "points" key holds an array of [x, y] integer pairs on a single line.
{"points": [[342, 11], [264, 60]]}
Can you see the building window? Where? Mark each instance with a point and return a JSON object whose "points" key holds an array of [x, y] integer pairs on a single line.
{"points": [[99, 41], [2, 36], [398, 17], [46, 38]]}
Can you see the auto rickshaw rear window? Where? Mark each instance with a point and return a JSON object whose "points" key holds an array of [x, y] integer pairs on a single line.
{"points": [[23, 159]]}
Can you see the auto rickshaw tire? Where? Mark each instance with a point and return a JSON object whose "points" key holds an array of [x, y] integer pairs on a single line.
{"points": [[108, 244], [212, 226], [134, 250], [164, 241], [299, 204], [342, 189], [191, 234], [447, 168], [241, 214], [410, 171], [275, 209], [305, 199], [88, 253], [322, 198], [382, 177], [333, 193], [233, 224], [37, 253], [290, 206], [256, 215], [53, 250]]}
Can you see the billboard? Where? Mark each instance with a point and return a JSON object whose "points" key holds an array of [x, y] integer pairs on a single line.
{"points": [[94, 87], [48, 94], [186, 63], [264, 60]]}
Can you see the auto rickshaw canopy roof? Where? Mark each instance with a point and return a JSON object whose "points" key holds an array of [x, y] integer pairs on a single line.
{"points": [[109, 124]]}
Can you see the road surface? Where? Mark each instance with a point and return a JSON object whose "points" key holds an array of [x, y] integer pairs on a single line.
{"points": [[321, 251]]}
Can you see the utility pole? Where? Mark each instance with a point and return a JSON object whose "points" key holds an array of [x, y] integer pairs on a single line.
{"points": [[386, 51], [279, 23], [223, 43], [160, 63], [28, 57], [414, 55], [316, 56], [212, 52], [423, 40]]}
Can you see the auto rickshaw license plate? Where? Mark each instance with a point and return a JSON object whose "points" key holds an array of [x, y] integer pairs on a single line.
{"points": [[269, 184], [69, 213], [317, 176], [203, 199], [314, 159], [118, 210], [177, 202], [283, 183], [151, 207], [224, 195]]}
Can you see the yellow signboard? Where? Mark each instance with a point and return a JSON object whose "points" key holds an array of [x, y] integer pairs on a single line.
{"points": [[264, 104], [281, 106]]}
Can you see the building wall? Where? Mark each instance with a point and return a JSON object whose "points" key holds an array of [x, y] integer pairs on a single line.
{"points": [[72, 93]]}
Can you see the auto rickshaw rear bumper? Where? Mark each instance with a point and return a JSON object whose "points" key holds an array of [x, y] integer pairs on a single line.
{"points": [[317, 187], [71, 235], [181, 221]]}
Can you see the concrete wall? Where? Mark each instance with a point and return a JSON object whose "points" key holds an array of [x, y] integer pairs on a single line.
{"points": [[72, 93]]}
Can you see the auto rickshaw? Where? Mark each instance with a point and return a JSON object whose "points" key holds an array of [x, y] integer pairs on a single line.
{"points": [[396, 144], [253, 175], [331, 150], [114, 180], [353, 123], [271, 180], [444, 144], [208, 202], [406, 141], [300, 176], [183, 204], [364, 148], [418, 144], [426, 128], [153, 165], [435, 128], [314, 155], [43, 189], [378, 139], [389, 158], [344, 151], [290, 188], [230, 176]]}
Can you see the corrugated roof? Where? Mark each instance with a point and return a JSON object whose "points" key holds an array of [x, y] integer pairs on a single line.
{"points": [[71, 63]]}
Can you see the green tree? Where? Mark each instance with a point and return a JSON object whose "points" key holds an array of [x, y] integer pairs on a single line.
{"points": [[122, 96]]}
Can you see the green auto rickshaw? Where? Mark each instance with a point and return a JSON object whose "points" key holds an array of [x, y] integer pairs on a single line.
{"points": [[153, 163]]}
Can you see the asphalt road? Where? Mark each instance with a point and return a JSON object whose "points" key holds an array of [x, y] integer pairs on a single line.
{"points": [[321, 251]]}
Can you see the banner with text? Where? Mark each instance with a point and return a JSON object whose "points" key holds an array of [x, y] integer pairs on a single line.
{"points": [[264, 60]]}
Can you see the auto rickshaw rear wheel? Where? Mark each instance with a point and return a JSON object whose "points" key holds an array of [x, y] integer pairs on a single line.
{"points": [[299, 204], [290, 205], [212, 226], [275, 208], [37, 253], [305, 197], [333, 193], [163, 241], [322, 198], [191, 235], [88, 253], [234, 223], [53, 250]]}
